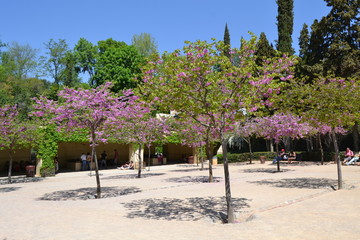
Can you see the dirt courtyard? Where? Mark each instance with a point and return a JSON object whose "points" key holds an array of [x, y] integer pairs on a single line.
{"points": [[176, 202]]}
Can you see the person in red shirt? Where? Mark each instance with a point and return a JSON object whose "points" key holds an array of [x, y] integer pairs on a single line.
{"points": [[348, 155]]}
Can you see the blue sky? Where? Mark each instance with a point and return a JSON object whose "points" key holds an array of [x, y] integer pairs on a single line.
{"points": [[35, 22]]}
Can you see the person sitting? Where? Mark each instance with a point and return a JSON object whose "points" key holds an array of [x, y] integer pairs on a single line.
{"points": [[354, 159], [348, 155], [127, 166], [292, 156], [281, 156]]}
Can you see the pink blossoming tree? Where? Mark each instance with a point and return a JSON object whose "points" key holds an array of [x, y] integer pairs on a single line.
{"points": [[96, 110], [14, 133], [247, 130], [331, 102], [201, 83], [144, 131], [280, 126]]}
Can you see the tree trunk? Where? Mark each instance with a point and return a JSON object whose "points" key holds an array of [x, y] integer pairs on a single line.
{"points": [[355, 134], [230, 210], [250, 149], [98, 188], [271, 145], [201, 158], [93, 152], [10, 165], [337, 157], [148, 161], [140, 161], [321, 149], [209, 153], [277, 159]]}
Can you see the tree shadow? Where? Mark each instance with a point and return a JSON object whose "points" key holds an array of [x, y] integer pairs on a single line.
{"points": [[133, 175], [193, 179], [187, 165], [190, 170], [189, 209], [21, 179], [88, 193], [308, 183], [265, 170], [9, 189]]}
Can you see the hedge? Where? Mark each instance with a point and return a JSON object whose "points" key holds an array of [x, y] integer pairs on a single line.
{"points": [[245, 157], [304, 156]]}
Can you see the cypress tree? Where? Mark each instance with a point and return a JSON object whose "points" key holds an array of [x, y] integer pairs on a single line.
{"points": [[285, 22], [263, 49], [227, 42], [304, 40]]}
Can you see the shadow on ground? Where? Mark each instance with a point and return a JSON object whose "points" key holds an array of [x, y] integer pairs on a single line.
{"points": [[310, 183], [88, 193], [265, 170], [191, 170], [190, 209], [133, 175], [9, 189], [21, 179], [189, 179]]}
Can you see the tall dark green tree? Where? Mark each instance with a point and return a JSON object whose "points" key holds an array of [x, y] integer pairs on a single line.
{"points": [[304, 41], [263, 49], [285, 22], [302, 69], [334, 46], [227, 42], [70, 74]]}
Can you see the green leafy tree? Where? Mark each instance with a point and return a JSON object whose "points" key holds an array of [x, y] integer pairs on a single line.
{"points": [[145, 44], [2, 45], [86, 54], [55, 63], [20, 60], [118, 63], [285, 22]]}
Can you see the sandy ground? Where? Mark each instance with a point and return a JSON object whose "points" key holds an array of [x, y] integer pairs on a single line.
{"points": [[175, 202]]}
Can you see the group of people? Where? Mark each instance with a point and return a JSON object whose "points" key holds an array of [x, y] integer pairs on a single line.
{"points": [[86, 160], [282, 155], [350, 157]]}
